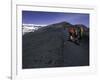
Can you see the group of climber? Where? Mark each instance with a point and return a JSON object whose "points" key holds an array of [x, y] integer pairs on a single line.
{"points": [[75, 34]]}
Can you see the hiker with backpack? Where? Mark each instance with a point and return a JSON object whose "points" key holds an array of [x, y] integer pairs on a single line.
{"points": [[71, 31], [75, 34]]}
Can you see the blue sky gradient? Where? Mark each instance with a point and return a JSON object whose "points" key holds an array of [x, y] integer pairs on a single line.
{"points": [[46, 18]]}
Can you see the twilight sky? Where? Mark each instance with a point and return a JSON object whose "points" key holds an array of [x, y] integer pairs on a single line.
{"points": [[45, 18]]}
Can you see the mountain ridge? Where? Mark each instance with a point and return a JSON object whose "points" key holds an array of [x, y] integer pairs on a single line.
{"points": [[45, 48]]}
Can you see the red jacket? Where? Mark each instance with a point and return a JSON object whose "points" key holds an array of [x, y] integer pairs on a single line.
{"points": [[71, 30]]}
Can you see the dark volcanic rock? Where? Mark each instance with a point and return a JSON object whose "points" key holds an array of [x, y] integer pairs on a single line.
{"points": [[45, 48], [42, 49]]}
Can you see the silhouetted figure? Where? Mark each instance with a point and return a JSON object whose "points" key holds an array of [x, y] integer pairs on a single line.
{"points": [[71, 31], [75, 34]]}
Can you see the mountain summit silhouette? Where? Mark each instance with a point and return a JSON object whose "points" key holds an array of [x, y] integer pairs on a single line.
{"points": [[45, 48]]}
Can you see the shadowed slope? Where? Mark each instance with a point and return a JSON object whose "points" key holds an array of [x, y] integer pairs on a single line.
{"points": [[45, 48]]}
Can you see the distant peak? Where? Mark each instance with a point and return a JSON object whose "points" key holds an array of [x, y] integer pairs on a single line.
{"points": [[62, 23], [80, 25]]}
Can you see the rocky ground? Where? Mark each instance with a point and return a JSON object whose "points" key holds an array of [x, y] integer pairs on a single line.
{"points": [[46, 47]]}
